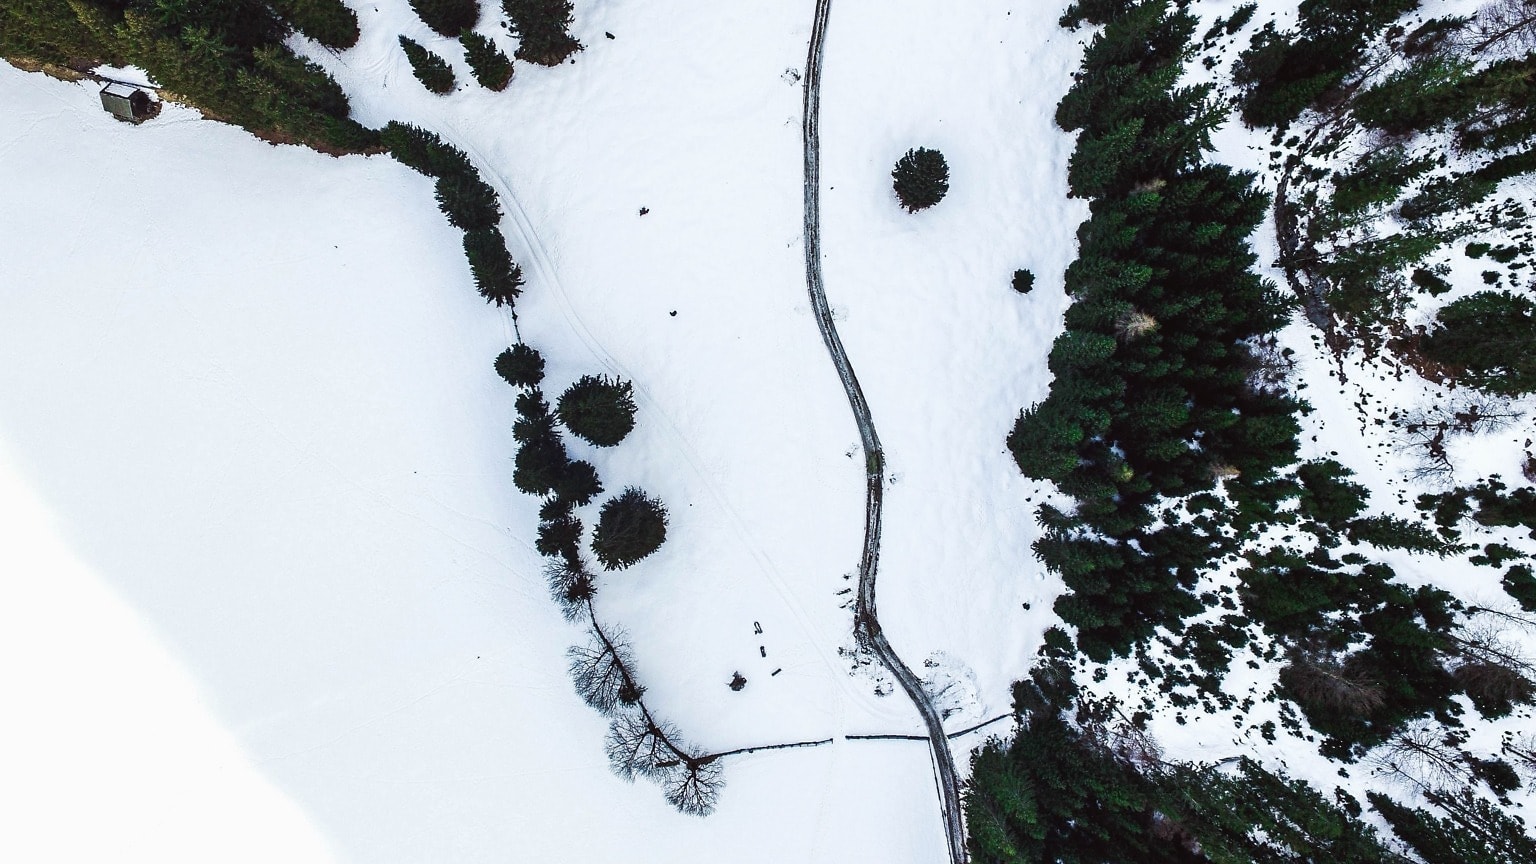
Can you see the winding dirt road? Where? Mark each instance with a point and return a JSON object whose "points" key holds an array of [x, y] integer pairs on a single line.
{"points": [[866, 621]]}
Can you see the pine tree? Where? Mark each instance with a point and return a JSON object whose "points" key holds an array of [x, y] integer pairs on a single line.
{"points": [[920, 178], [520, 366], [432, 71], [497, 276], [1023, 281], [559, 537], [1489, 338], [598, 410], [491, 67], [630, 527], [542, 30], [328, 22], [468, 202], [1476, 832], [424, 151], [448, 17], [578, 483]]}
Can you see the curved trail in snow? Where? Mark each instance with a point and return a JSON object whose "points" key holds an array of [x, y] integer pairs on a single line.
{"points": [[866, 621]]}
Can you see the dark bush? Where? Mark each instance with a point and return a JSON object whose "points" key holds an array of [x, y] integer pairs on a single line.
{"points": [[1023, 281], [448, 17], [497, 276], [542, 30], [1431, 282], [432, 71], [520, 366], [1520, 583], [921, 179], [328, 22], [598, 410], [491, 67], [629, 527]]}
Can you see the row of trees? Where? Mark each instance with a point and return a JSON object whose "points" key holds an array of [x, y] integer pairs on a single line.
{"points": [[468, 202], [227, 57], [542, 27], [630, 527], [490, 66]]}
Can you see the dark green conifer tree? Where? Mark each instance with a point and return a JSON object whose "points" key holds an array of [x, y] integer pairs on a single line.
{"points": [[542, 28], [598, 409], [920, 178], [491, 67], [630, 527], [520, 366], [448, 17], [432, 71]]}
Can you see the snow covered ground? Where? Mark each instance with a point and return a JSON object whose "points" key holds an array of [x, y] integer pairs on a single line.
{"points": [[252, 388]]}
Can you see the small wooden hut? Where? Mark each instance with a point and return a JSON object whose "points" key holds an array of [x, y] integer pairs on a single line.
{"points": [[127, 102]]}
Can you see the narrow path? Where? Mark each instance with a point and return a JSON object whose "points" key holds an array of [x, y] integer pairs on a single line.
{"points": [[866, 621]]}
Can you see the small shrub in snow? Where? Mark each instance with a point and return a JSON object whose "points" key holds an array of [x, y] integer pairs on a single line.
{"points": [[921, 179], [448, 17], [1023, 281], [491, 67], [1520, 583], [629, 528], [598, 410], [432, 71], [520, 366]]}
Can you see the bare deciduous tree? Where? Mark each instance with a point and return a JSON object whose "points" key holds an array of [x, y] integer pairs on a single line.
{"points": [[694, 786], [1506, 27], [571, 585], [1425, 756], [1522, 751], [1426, 430], [639, 747], [600, 671]]}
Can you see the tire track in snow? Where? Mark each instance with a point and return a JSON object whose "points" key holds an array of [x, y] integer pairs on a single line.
{"points": [[866, 621]]}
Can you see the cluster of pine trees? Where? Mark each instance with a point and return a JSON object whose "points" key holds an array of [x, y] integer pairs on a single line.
{"points": [[1080, 783], [1152, 394], [227, 57], [1284, 73]]}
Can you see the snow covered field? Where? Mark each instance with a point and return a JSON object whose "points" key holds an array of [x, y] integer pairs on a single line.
{"points": [[251, 389]]}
